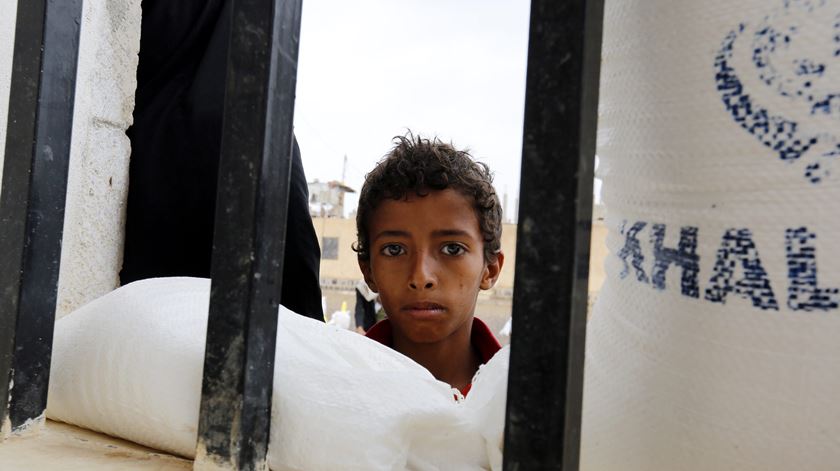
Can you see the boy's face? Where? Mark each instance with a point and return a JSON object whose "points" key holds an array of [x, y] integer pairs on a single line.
{"points": [[427, 264]]}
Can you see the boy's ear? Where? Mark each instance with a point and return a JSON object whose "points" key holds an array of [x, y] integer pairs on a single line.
{"points": [[491, 271], [364, 265]]}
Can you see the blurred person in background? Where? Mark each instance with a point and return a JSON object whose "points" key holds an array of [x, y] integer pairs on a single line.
{"points": [[176, 141]]}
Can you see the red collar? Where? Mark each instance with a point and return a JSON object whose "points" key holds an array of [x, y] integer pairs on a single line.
{"points": [[481, 338]]}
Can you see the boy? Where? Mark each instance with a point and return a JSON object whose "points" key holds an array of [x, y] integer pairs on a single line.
{"points": [[429, 237]]}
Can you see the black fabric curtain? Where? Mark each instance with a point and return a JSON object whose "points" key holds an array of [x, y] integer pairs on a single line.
{"points": [[175, 142]]}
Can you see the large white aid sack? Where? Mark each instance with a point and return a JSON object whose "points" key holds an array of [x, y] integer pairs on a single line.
{"points": [[715, 342], [129, 364]]}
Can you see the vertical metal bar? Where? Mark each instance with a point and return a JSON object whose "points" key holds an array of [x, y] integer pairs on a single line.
{"points": [[35, 169], [545, 386], [249, 235]]}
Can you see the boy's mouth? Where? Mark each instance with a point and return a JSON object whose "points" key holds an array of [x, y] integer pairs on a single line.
{"points": [[424, 309]]}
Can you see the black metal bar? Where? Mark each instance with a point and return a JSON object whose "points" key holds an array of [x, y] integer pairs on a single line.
{"points": [[249, 235], [35, 169], [545, 386]]}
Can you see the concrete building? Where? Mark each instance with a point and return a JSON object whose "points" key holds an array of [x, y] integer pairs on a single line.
{"points": [[326, 199]]}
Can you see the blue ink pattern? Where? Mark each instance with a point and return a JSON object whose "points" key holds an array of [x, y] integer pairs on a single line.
{"points": [[784, 136], [803, 291], [837, 35], [632, 247], [685, 256], [737, 253], [737, 248]]}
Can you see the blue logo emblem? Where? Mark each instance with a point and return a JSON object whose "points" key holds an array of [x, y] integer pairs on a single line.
{"points": [[780, 81]]}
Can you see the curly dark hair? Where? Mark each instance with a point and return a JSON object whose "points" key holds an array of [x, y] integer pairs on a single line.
{"points": [[419, 165]]}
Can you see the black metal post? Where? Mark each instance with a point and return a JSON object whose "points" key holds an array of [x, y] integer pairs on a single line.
{"points": [[36, 162], [545, 386], [249, 235]]}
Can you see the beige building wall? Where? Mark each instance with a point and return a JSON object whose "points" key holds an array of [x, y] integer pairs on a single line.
{"points": [[597, 257], [344, 268]]}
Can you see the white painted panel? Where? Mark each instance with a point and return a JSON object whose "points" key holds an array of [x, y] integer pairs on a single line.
{"points": [[7, 42], [98, 179]]}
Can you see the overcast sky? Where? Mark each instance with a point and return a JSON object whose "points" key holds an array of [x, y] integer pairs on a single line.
{"points": [[370, 69]]}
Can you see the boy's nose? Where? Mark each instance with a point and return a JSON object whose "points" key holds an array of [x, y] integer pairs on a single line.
{"points": [[422, 274]]}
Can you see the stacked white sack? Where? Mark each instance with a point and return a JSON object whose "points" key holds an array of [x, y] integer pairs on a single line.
{"points": [[129, 364], [714, 342]]}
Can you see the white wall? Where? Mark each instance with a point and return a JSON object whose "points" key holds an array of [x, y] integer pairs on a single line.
{"points": [[7, 40], [98, 178]]}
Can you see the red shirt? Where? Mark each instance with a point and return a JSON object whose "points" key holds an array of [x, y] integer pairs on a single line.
{"points": [[481, 338]]}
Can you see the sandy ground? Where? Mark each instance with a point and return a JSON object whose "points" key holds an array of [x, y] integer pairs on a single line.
{"points": [[63, 447]]}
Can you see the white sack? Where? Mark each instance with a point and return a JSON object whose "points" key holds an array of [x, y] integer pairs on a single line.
{"points": [[129, 364], [715, 342]]}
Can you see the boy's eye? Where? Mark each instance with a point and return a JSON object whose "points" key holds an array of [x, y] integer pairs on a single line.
{"points": [[453, 249], [392, 250]]}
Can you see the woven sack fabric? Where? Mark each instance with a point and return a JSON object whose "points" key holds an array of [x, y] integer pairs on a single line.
{"points": [[129, 365], [715, 341]]}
